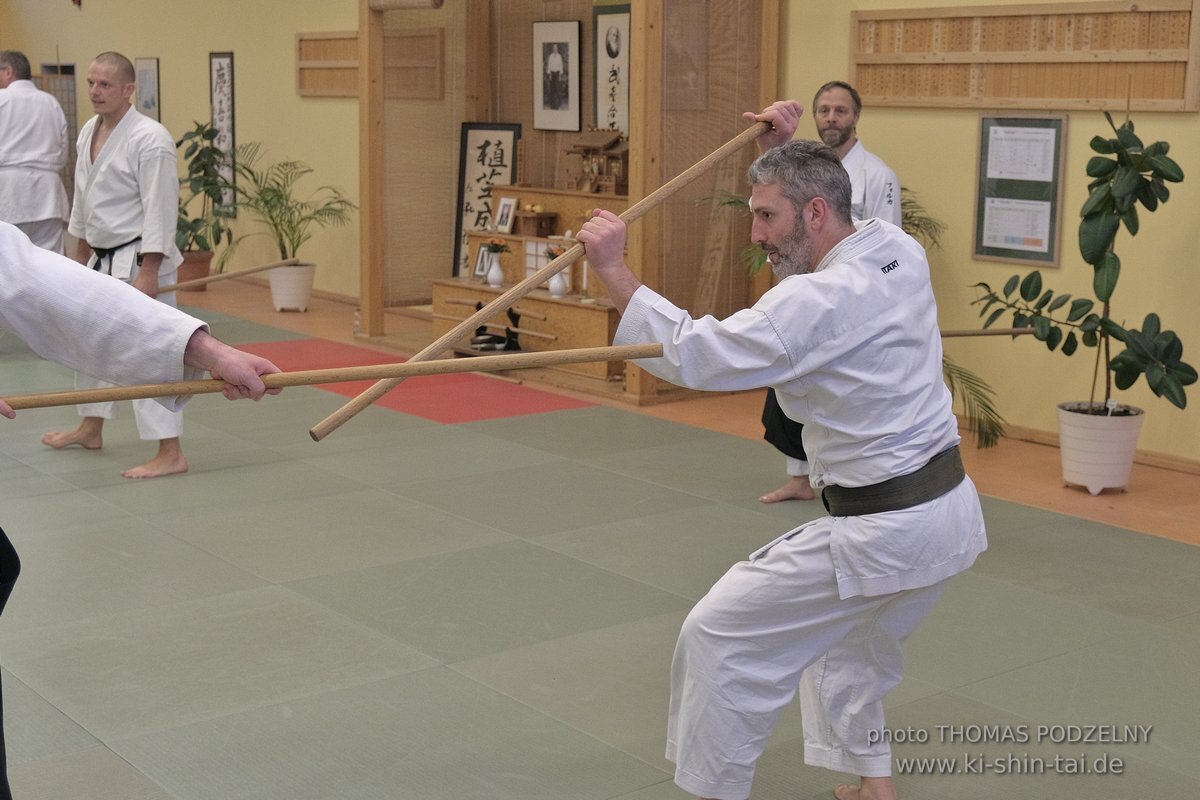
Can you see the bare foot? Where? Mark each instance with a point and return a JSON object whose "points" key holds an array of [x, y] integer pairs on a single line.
{"points": [[168, 461], [87, 436], [869, 789], [797, 488]]}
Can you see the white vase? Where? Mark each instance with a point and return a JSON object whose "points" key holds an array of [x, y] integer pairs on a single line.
{"points": [[291, 287], [1097, 450], [558, 285], [495, 275]]}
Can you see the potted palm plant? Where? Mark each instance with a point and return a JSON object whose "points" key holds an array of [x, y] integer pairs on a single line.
{"points": [[1125, 174], [201, 226], [270, 193]]}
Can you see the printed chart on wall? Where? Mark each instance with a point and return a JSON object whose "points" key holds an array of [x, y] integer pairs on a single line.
{"points": [[1018, 196]]}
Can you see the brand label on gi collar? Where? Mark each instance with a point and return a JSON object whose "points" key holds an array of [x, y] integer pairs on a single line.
{"points": [[886, 268]]}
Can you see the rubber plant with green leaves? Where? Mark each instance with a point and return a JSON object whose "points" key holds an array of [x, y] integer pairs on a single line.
{"points": [[204, 184], [1125, 174]]}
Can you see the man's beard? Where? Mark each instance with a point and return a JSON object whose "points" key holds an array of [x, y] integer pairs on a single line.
{"points": [[836, 137], [794, 256]]}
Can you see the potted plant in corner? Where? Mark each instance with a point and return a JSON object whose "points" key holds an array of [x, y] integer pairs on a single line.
{"points": [[269, 193], [1098, 437], [201, 190]]}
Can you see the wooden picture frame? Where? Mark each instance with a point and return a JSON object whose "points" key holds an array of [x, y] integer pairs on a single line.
{"points": [[557, 103], [220, 88], [487, 157], [1019, 188], [481, 262], [146, 94], [611, 62], [506, 211]]}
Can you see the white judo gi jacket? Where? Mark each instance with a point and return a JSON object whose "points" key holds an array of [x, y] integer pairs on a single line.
{"points": [[131, 190], [86, 321], [874, 187], [853, 351], [33, 148]]}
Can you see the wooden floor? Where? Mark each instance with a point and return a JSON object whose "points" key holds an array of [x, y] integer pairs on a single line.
{"points": [[1159, 502]]}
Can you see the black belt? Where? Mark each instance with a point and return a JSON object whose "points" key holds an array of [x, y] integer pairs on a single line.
{"points": [[107, 252], [943, 472]]}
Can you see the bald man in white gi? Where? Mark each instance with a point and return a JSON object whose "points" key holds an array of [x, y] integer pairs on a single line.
{"points": [[90, 322], [124, 215], [874, 193], [33, 150], [848, 338]]}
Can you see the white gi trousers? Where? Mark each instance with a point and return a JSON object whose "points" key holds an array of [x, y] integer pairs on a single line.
{"points": [[154, 420], [742, 651]]}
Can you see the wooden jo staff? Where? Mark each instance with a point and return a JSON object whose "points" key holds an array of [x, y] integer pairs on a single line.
{"points": [[224, 276], [400, 371], [510, 297]]}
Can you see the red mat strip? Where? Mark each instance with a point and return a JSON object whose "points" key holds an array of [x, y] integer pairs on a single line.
{"points": [[449, 399]]}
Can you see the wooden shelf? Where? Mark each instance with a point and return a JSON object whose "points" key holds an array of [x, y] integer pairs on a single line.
{"points": [[549, 323]]}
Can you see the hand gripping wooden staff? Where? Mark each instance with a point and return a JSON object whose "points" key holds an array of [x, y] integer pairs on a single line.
{"points": [[400, 371], [506, 300]]}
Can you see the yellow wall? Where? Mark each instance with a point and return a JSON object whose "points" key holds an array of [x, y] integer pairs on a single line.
{"points": [[934, 152], [262, 36]]}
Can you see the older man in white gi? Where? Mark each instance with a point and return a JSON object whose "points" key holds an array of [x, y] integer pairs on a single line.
{"points": [[124, 215], [874, 193], [93, 323], [33, 149], [849, 340]]}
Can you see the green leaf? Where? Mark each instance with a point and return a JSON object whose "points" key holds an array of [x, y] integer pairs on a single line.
{"points": [[1041, 328], [1158, 149], [1096, 234], [1165, 167], [1099, 166], [1101, 145], [1130, 218], [1140, 343], [1079, 308], [1055, 338], [1097, 200], [1070, 344], [1058, 303], [1041, 301], [1090, 339], [1127, 138], [1010, 285], [1152, 325], [1185, 373], [1104, 281], [995, 316], [1125, 181], [1031, 287], [1155, 375], [1111, 328], [1160, 190], [1146, 195], [1173, 391]]}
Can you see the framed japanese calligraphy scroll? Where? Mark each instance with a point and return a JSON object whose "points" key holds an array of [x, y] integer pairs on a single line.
{"points": [[611, 26], [146, 98], [487, 157], [220, 87]]}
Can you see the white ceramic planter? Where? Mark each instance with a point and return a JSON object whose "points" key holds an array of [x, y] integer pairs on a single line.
{"points": [[291, 287], [1097, 450]]}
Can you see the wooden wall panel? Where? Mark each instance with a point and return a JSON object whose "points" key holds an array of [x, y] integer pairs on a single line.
{"points": [[1044, 56]]}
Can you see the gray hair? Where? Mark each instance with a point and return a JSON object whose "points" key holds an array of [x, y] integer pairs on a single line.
{"points": [[854, 98], [805, 169], [19, 63]]}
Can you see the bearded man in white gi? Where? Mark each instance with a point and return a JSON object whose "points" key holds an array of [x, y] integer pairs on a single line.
{"points": [[849, 340], [124, 215], [33, 148], [874, 193], [88, 321]]}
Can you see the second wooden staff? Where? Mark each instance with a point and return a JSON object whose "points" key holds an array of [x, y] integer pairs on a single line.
{"points": [[508, 298], [282, 380]]}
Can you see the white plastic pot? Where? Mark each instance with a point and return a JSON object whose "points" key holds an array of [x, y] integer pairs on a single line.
{"points": [[291, 287], [1097, 450]]}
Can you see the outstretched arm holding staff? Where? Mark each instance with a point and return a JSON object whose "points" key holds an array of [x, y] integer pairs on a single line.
{"points": [[92, 322], [506, 300]]}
